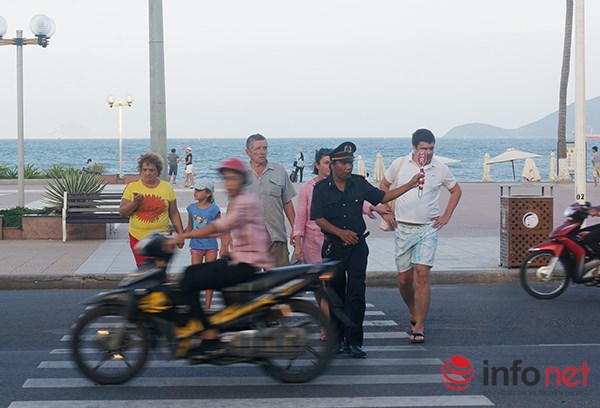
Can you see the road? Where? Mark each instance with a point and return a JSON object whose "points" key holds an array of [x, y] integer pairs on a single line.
{"points": [[493, 326]]}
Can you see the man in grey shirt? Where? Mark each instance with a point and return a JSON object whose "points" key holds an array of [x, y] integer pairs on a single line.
{"points": [[173, 159], [270, 182], [595, 165]]}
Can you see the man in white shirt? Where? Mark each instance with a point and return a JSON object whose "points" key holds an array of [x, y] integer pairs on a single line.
{"points": [[416, 221]]}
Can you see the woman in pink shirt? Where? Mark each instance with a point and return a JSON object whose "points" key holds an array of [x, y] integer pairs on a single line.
{"points": [[249, 252]]}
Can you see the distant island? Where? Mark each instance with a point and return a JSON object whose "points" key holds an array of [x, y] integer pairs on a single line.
{"points": [[545, 127]]}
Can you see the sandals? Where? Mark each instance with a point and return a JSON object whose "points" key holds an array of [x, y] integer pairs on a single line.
{"points": [[415, 337]]}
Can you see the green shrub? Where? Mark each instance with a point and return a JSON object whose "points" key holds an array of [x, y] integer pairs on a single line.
{"points": [[72, 182], [13, 216], [97, 168], [31, 171], [56, 171]]}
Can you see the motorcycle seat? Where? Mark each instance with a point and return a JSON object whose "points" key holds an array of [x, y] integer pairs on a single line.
{"points": [[273, 277]]}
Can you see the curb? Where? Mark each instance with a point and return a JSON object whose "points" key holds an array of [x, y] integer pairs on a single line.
{"points": [[387, 279]]}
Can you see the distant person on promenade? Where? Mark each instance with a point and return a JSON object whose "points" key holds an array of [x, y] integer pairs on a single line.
{"points": [[149, 203], [189, 169], [595, 165], [299, 166], [201, 213], [336, 207], [271, 184], [417, 221], [173, 159], [88, 167]]}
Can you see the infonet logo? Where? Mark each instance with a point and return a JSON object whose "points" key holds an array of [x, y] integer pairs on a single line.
{"points": [[458, 371]]}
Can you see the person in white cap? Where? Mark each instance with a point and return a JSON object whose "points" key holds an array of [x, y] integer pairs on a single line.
{"points": [[189, 169]]}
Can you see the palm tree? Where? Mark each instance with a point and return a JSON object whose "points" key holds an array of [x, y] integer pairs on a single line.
{"points": [[563, 171]]}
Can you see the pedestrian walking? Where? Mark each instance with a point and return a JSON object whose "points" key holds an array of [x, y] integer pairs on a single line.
{"points": [[416, 222], [336, 207], [299, 167], [595, 164], [173, 159], [188, 180], [270, 182]]}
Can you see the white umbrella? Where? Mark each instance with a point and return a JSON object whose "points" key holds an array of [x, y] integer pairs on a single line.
{"points": [[510, 155], [530, 171], [445, 160], [379, 168], [486, 168], [360, 166], [553, 175]]}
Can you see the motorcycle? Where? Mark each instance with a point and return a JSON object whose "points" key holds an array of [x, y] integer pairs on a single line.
{"points": [[546, 271], [263, 322]]}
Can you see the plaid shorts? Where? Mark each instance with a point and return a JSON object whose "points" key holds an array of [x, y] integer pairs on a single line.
{"points": [[414, 245]]}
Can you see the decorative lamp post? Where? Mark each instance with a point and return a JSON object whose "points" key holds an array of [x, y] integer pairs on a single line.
{"points": [[111, 102], [43, 28]]}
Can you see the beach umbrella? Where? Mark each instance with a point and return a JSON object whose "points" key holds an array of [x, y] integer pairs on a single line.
{"points": [[530, 171], [446, 160], [486, 168], [360, 166], [553, 175], [379, 168], [510, 155]]}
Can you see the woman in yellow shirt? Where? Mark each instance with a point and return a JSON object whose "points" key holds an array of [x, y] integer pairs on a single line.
{"points": [[149, 203]]}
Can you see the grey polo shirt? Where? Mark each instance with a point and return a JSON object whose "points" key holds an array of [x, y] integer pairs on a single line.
{"points": [[274, 189]]}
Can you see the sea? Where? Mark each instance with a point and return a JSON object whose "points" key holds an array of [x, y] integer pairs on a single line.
{"points": [[207, 152]]}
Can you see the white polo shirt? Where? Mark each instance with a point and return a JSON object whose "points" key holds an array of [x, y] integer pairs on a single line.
{"points": [[409, 206]]}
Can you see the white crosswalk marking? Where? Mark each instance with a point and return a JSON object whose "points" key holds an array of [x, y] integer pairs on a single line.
{"points": [[391, 360]]}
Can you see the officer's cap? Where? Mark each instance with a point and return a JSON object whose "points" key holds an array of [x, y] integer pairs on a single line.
{"points": [[343, 153]]}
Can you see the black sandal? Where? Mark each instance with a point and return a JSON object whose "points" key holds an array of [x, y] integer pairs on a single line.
{"points": [[417, 338]]}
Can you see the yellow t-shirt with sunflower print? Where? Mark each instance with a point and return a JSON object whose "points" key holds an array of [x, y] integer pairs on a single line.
{"points": [[153, 213]]}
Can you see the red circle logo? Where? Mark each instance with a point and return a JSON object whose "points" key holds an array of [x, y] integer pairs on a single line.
{"points": [[457, 372]]}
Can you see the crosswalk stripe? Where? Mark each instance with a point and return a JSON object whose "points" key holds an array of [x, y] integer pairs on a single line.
{"points": [[409, 348], [321, 402], [241, 381], [367, 335], [379, 323], [341, 362]]}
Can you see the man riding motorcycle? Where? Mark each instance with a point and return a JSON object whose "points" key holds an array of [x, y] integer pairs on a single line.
{"points": [[249, 253], [592, 239]]}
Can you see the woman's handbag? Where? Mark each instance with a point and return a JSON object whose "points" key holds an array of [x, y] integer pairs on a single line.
{"points": [[383, 224]]}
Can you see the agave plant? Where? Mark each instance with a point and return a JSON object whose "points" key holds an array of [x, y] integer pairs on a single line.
{"points": [[73, 183], [55, 171]]}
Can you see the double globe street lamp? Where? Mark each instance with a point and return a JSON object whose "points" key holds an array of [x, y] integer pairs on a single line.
{"points": [[43, 28], [120, 103]]}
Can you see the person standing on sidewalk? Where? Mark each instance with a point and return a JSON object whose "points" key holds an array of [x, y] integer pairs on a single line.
{"points": [[337, 208], [271, 184], [595, 164], [173, 159], [416, 222], [189, 168]]}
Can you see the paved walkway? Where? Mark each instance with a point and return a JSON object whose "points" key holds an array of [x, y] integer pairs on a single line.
{"points": [[468, 249]]}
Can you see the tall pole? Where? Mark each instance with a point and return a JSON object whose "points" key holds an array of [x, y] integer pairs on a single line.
{"points": [[20, 132], [158, 115], [120, 141], [580, 148]]}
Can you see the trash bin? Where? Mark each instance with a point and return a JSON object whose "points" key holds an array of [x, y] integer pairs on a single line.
{"points": [[525, 220]]}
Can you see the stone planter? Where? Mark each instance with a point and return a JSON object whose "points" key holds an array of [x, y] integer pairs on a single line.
{"points": [[11, 233], [115, 179], [36, 226]]}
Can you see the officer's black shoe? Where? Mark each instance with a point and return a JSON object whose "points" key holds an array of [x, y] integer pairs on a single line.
{"points": [[206, 347], [356, 352], [341, 348]]}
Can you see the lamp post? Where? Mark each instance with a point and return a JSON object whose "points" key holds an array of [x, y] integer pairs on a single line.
{"points": [[111, 102], [43, 28]]}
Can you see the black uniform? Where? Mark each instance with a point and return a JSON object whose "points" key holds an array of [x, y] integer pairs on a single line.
{"points": [[343, 209]]}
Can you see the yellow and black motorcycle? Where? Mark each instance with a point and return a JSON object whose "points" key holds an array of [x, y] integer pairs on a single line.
{"points": [[263, 322]]}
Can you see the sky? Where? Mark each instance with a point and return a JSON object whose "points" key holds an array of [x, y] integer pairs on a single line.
{"points": [[283, 68]]}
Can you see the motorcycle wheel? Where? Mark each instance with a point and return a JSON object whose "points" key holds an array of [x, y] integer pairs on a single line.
{"points": [[317, 353], [100, 361], [534, 275]]}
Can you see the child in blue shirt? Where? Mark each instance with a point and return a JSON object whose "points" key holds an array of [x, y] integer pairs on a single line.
{"points": [[201, 213]]}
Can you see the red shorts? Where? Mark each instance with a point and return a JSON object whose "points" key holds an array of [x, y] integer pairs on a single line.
{"points": [[139, 259]]}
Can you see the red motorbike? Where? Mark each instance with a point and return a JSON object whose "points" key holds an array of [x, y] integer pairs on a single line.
{"points": [[547, 270]]}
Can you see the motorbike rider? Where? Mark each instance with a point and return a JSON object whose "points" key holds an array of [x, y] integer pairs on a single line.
{"points": [[249, 252], [592, 239]]}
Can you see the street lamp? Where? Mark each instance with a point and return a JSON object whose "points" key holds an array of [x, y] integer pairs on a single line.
{"points": [[43, 28], [111, 102]]}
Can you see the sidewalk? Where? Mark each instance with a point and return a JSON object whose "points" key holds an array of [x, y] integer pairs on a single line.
{"points": [[468, 249]]}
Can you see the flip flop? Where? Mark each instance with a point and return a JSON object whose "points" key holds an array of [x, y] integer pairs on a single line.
{"points": [[417, 338]]}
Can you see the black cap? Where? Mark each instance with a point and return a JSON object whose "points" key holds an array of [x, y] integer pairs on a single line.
{"points": [[344, 152]]}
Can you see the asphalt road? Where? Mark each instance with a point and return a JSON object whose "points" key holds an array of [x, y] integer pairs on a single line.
{"points": [[493, 326]]}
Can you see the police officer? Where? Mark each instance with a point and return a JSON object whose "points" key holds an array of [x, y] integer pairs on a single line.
{"points": [[337, 209]]}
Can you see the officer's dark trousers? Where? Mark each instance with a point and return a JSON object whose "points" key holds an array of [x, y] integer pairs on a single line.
{"points": [[349, 284], [212, 275]]}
